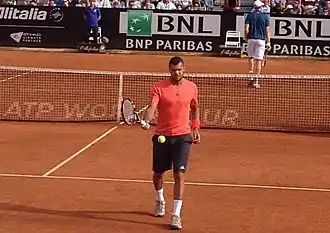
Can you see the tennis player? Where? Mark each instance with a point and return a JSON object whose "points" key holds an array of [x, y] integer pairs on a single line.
{"points": [[257, 34], [174, 98]]}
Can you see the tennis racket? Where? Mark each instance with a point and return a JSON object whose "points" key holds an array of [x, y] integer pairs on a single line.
{"points": [[129, 113], [267, 50], [265, 58]]}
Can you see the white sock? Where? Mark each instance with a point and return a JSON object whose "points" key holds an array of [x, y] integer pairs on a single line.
{"points": [[160, 195], [177, 207]]}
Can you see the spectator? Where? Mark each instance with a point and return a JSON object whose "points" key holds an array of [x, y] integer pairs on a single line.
{"points": [[77, 3], [8, 2], [179, 7], [148, 5], [182, 3], [136, 4], [103, 4], [166, 5], [65, 3], [117, 4], [209, 4], [278, 8], [265, 8], [199, 5], [190, 5]]}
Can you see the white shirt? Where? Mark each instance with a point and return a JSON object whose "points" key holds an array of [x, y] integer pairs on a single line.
{"points": [[150, 6], [264, 9], [103, 4], [166, 6]]}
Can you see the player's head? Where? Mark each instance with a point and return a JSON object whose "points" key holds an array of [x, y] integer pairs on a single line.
{"points": [[176, 68], [258, 4], [92, 2]]}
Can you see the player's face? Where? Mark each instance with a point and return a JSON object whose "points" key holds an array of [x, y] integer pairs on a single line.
{"points": [[176, 71]]}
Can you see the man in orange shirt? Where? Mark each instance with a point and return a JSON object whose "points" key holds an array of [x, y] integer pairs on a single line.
{"points": [[174, 98]]}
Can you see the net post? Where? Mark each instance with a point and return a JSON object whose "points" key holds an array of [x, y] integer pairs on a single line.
{"points": [[120, 96]]}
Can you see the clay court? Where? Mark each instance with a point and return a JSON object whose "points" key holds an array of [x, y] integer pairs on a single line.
{"points": [[95, 177]]}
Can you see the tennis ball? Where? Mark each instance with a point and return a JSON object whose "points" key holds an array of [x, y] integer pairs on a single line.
{"points": [[161, 139]]}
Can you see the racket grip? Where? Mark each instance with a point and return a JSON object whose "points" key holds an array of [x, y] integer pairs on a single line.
{"points": [[144, 124]]}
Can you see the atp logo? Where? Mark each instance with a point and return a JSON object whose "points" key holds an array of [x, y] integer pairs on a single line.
{"points": [[26, 37], [17, 36]]}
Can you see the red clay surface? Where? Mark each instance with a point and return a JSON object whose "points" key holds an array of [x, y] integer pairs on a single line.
{"points": [[234, 157]]}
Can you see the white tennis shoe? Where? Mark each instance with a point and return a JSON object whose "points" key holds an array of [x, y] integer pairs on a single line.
{"points": [[176, 223], [160, 209]]}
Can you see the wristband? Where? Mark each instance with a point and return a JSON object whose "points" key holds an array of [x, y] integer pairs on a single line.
{"points": [[195, 124]]}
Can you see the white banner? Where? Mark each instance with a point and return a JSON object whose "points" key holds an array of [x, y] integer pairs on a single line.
{"points": [[147, 23], [294, 28]]}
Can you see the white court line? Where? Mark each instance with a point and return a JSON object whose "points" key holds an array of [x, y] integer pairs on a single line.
{"points": [[12, 77], [80, 151], [205, 184]]}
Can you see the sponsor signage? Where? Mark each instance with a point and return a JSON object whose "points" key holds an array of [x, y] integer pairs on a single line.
{"points": [[291, 48], [147, 23], [161, 44], [229, 52], [148, 30], [304, 29], [31, 14], [294, 28], [297, 36], [48, 27], [91, 48], [26, 37]]}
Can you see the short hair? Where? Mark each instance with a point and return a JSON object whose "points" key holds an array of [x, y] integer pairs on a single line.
{"points": [[175, 60]]}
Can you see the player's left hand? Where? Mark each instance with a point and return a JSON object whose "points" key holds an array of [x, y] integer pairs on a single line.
{"points": [[196, 136], [145, 125]]}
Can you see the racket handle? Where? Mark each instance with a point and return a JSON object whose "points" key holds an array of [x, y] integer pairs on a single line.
{"points": [[144, 124]]}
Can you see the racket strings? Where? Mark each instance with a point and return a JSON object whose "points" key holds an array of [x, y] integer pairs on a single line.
{"points": [[129, 112]]}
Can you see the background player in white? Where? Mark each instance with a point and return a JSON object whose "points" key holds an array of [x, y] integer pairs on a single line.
{"points": [[257, 34]]}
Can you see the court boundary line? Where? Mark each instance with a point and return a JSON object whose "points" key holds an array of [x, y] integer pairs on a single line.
{"points": [[99, 138], [190, 183]]}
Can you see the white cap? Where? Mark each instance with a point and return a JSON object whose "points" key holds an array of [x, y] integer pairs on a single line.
{"points": [[258, 3]]}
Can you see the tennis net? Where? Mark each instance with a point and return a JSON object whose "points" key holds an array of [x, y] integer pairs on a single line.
{"points": [[283, 103]]}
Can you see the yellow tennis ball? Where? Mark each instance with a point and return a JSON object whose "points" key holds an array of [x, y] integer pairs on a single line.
{"points": [[161, 139]]}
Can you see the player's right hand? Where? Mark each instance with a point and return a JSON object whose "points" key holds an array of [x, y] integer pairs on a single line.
{"points": [[145, 125], [268, 46], [196, 136]]}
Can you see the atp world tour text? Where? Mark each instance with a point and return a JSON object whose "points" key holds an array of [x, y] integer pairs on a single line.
{"points": [[73, 111]]}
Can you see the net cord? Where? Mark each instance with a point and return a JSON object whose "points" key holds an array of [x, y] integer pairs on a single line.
{"points": [[159, 74]]}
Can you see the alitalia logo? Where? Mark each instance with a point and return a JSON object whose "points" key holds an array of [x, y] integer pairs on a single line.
{"points": [[13, 13]]}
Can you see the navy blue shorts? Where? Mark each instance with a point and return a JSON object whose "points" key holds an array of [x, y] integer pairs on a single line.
{"points": [[173, 153]]}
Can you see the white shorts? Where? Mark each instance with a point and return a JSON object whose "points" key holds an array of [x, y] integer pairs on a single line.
{"points": [[256, 49]]}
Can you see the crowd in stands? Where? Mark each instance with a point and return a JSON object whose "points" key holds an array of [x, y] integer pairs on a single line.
{"points": [[307, 7], [135, 4], [284, 7]]}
